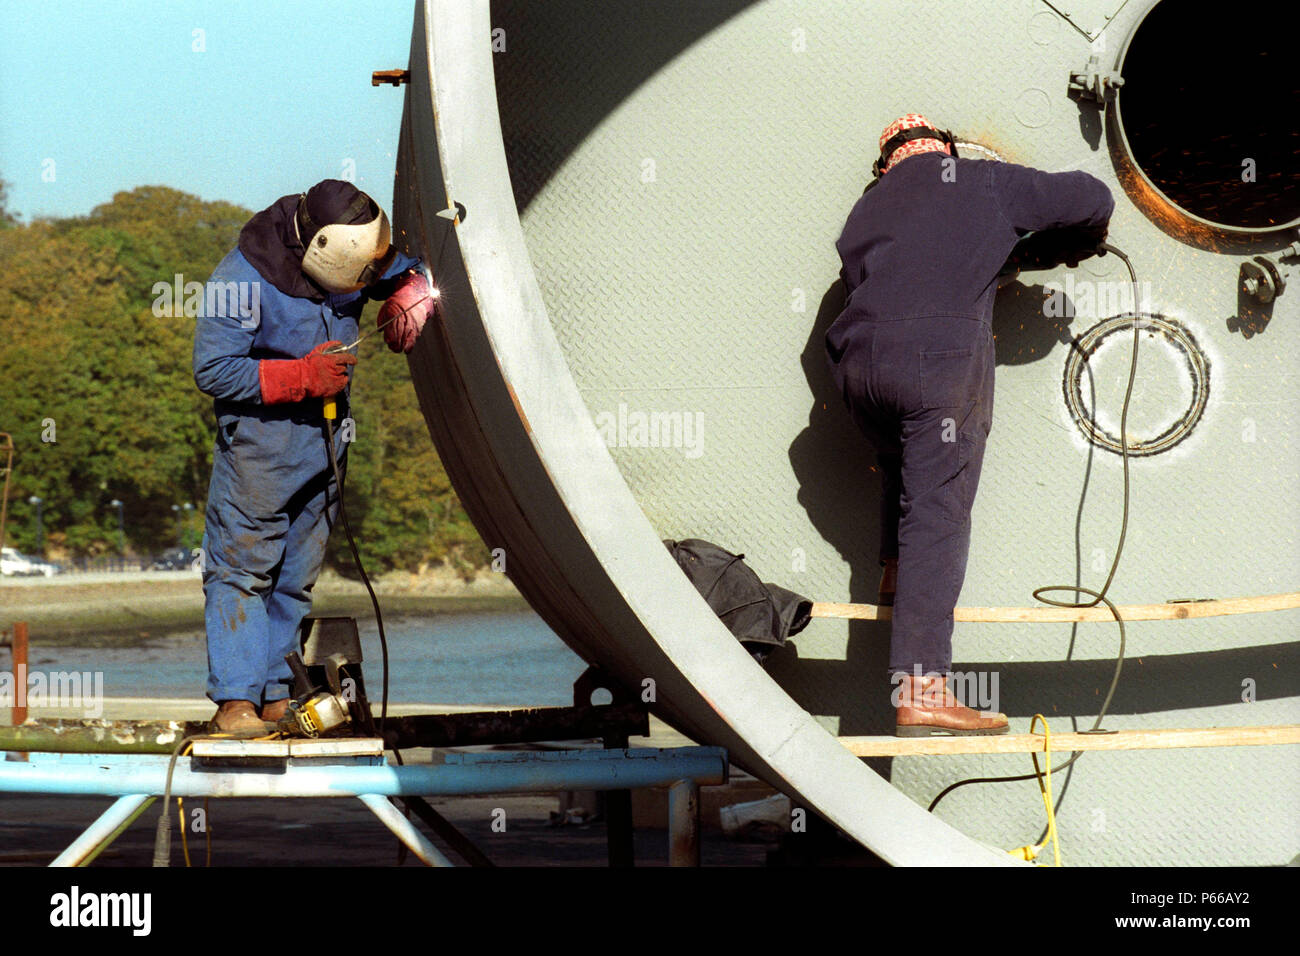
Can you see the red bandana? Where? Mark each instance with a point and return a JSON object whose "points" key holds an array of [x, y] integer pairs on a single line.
{"points": [[910, 121]]}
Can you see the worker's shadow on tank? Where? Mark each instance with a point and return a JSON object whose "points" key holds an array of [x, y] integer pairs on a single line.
{"points": [[1029, 321], [839, 488]]}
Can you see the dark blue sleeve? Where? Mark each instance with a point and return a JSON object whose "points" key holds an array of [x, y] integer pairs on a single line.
{"points": [[222, 364], [1033, 200]]}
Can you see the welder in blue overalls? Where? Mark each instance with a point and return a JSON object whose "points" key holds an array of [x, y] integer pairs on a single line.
{"points": [[301, 273], [912, 355]]}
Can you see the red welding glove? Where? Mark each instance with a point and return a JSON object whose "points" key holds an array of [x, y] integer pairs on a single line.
{"points": [[409, 307], [315, 375]]}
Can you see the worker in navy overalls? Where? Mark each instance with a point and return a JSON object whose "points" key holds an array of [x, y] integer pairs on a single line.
{"points": [[292, 289], [912, 356]]}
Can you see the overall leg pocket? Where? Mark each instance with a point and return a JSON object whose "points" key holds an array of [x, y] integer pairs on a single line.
{"points": [[949, 378]]}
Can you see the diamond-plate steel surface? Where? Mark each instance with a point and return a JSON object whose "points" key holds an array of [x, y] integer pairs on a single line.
{"points": [[683, 170]]}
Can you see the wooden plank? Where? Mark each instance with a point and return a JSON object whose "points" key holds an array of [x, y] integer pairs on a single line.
{"points": [[1169, 611], [295, 747], [1067, 742]]}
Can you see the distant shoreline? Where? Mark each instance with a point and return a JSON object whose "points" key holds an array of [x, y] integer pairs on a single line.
{"points": [[95, 610]]}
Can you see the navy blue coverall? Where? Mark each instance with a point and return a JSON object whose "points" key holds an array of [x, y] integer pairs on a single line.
{"points": [[272, 498], [912, 356]]}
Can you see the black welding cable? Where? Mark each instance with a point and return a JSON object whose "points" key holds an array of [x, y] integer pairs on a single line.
{"points": [[356, 556], [379, 617], [162, 840], [1098, 597], [352, 544]]}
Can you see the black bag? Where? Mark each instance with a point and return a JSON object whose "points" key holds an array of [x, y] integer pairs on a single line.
{"points": [[761, 616]]}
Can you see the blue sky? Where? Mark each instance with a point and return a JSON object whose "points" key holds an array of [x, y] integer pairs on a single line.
{"points": [[97, 97]]}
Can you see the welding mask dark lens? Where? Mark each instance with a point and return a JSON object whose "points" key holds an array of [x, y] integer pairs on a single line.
{"points": [[375, 269]]}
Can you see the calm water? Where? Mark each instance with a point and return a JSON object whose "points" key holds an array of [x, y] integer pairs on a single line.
{"points": [[502, 659]]}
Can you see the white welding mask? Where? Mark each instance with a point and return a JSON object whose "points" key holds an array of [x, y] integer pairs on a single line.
{"points": [[345, 258]]}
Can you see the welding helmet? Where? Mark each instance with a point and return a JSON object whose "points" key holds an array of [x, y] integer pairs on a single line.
{"points": [[907, 136], [346, 238]]}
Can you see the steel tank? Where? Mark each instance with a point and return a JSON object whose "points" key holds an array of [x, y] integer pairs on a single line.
{"points": [[635, 288]]}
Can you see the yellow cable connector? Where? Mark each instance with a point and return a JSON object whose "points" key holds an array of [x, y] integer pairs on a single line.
{"points": [[1030, 853], [1026, 853]]}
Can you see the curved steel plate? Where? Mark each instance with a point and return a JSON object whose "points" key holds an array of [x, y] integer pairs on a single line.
{"points": [[680, 172], [538, 480]]}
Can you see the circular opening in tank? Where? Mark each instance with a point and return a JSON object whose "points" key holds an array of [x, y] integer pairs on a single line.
{"points": [[1169, 394], [1210, 112]]}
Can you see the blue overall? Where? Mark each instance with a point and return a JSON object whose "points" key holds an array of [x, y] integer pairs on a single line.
{"points": [[912, 355], [272, 499]]}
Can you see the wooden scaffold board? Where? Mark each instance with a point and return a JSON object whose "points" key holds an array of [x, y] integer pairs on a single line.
{"points": [[1069, 742], [1168, 611]]}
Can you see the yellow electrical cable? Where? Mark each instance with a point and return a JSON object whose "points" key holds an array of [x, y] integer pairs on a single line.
{"points": [[180, 813], [1030, 853], [1046, 788], [185, 843]]}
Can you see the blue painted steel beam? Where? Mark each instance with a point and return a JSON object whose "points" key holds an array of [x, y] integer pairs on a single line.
{"points": [[100, 833], [405, 830], [457, 774]]}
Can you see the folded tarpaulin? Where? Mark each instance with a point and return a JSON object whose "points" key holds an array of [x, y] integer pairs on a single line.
{"points": [[762, 616]]}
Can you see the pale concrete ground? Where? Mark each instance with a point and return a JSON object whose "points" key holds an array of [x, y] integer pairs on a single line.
{"points": [[340, 832]]}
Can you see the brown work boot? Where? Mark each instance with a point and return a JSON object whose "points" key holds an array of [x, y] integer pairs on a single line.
{"points": [[237, 718], [888, 582], [274, 710], [925, 707]]}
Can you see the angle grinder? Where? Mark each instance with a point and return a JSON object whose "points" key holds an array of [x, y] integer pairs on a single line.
{"points": [[314, 710]]}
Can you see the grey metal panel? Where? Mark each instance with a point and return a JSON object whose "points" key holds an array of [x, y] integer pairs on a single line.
{"points": [[538, 480], [680, 292], [1089, 17]]}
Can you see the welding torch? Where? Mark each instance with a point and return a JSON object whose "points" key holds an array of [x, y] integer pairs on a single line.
{"points": [[433, 292], [330, 405]]}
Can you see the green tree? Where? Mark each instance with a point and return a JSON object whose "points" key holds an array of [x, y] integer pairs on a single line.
{"points": [[98, 393], [7, 219]]}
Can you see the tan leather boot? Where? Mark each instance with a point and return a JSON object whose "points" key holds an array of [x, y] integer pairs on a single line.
{"points": [[273, 711], [927, 708], [888, 582], [237, 718]]}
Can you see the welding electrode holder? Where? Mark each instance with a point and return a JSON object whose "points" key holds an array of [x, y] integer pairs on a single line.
{"points": [[1055, 247]]}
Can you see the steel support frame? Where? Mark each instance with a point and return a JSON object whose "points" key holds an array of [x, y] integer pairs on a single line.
{"points": [[137, 779]]}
